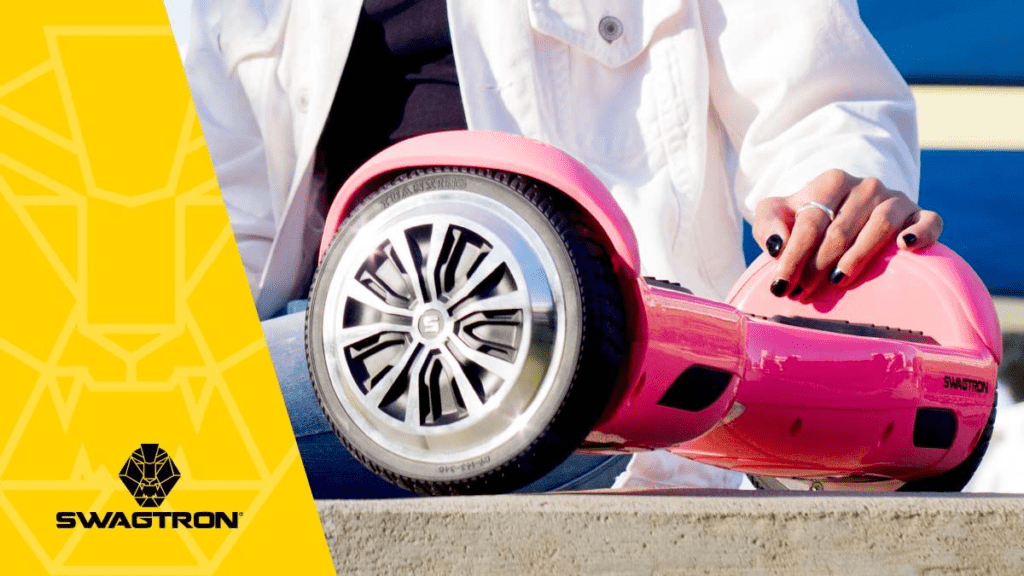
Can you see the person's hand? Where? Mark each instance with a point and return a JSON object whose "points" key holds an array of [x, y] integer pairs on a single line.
{"points": [[813, 249]]}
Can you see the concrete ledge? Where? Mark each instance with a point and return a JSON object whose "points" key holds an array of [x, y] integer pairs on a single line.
{"points": [[688, 532]]}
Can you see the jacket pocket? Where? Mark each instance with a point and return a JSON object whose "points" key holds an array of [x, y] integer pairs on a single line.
{"points": [[613, 32]]}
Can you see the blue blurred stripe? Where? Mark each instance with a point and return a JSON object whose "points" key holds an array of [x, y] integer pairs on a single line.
{"points": [[951, 42], [980, 195]]}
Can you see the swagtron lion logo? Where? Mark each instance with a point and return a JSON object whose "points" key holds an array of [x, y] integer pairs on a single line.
{"points": [[149, 474]]}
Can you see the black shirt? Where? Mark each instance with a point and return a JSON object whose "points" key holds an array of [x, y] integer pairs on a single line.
{"points": [[399, 81]]}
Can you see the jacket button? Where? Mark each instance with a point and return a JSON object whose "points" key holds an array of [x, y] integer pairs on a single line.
{"points": [[303, 100], [610, 28]]}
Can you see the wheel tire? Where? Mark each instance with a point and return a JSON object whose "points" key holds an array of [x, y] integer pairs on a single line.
{"points": [[952, 480], [438, 386]]}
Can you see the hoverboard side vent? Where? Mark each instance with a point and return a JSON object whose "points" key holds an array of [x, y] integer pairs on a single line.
{"points": [[934, 428], [697, 388]]}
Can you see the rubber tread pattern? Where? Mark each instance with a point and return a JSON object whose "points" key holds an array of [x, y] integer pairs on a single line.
{"points": [[851, 328], [667, 285]]}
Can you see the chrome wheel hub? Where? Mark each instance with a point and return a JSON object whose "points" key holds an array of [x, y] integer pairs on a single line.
{"points": [[442, 319]]}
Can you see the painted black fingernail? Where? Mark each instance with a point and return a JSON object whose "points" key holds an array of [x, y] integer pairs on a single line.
{"points": [[910, 239], [774, 245], [779, 287], [796, 291], [837, 276]]}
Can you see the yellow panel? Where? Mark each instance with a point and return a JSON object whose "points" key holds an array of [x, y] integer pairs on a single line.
{"points": [[58, 224], [131, 148], [128, 324], [38, 157], [38, 102], [131, 263], [34, 291]]}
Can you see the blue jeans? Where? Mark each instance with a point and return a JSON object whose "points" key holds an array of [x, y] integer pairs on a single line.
{"points": [[334, 473]]}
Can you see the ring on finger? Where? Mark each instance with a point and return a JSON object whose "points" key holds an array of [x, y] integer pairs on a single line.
{"points": [[819, 206]]}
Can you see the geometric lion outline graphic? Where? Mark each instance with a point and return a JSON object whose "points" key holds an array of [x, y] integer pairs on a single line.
{"points": [[149, 474]]}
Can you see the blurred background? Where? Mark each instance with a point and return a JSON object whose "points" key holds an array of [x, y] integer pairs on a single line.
{"points": [[965, 63]]}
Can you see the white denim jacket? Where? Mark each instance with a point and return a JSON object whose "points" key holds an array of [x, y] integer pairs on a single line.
{"points": [[690, 111]]}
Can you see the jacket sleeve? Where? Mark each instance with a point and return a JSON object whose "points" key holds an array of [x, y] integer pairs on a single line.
{"points": [[801, 87], [233, 138]]}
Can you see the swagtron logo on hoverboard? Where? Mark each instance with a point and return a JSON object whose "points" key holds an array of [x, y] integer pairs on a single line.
{"points": [[149, 474], [966, 384]]}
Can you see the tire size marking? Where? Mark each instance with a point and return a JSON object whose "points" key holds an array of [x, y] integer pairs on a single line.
{"points": [[464, 467], [423, 185]]}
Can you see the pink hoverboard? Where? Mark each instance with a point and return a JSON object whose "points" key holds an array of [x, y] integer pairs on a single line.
{"points": [[478, 315]]}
